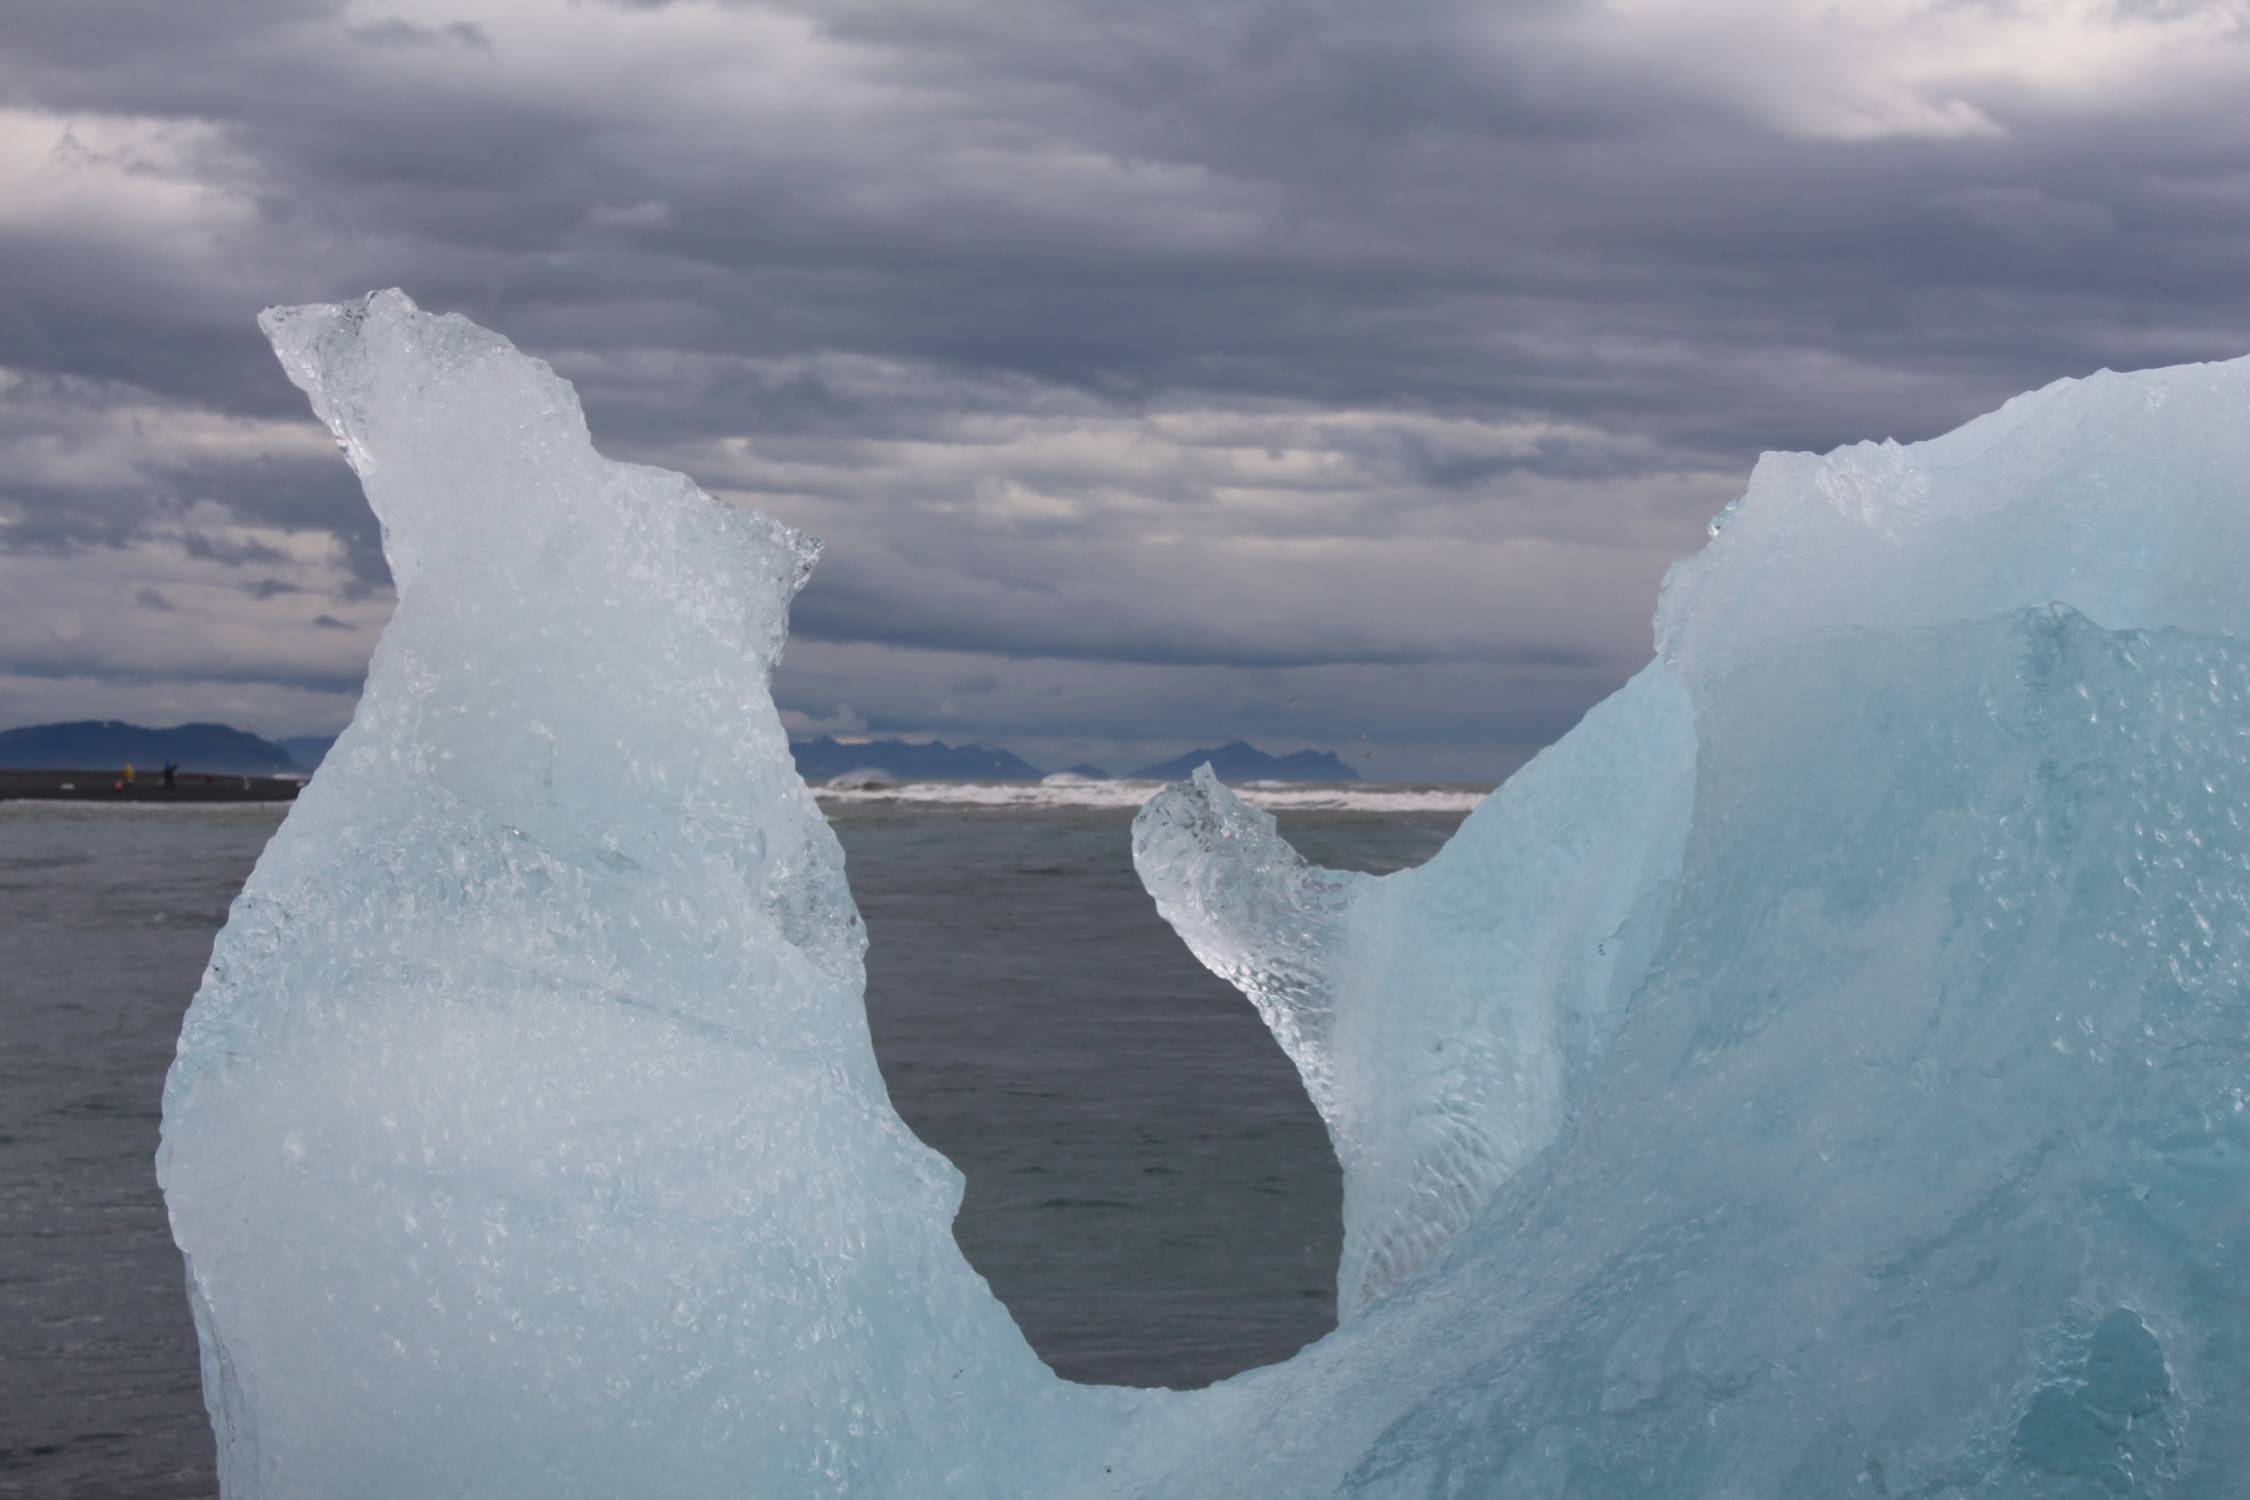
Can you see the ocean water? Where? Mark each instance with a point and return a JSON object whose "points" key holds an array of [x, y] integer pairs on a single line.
{"points": [[1149, 1191]]}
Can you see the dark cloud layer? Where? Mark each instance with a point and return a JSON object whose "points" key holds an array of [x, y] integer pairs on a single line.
{"points": [[1150, 369]]}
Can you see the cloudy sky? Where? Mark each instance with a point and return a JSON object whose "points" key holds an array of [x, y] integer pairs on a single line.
{"points": [[1331, 374]]}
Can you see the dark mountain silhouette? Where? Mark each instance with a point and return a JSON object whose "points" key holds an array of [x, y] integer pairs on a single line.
{"points": [[308, 750], [107, 744], [1239, 760], [818, 760]]}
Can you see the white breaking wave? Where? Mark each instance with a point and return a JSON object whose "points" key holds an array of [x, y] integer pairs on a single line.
{"points": [[1283, 796], [1002, 795]]}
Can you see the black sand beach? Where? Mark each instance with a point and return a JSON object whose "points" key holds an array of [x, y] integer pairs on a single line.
{"points": [[146, 786]]}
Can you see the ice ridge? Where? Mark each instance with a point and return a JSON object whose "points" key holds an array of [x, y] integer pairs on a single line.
{"points": [[1820, 1073]]}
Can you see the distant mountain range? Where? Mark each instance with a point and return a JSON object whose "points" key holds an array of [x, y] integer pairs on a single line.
{"points": [[826, 758], [1238, 760], [309, 750], [108, 744]]}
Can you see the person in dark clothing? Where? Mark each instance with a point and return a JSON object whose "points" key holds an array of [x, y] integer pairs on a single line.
{"points": [[171, 775]]}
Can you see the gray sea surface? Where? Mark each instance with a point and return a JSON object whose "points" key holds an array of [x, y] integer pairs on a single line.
{"points": [[1149, 1190]]}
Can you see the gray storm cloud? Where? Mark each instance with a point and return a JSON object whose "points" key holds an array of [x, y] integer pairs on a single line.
{"points": [[1301, 371]]}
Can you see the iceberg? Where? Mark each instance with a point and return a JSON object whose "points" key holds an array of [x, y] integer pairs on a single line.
{"points": [[1826, 1071]]}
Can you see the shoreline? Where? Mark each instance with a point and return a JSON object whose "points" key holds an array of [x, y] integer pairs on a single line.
{"points": [[147, 789], [195, 788]]}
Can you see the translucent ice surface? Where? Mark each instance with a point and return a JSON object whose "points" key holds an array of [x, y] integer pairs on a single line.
{"points": [[1825, 1072], [1434, 1013], [525, 1137]]}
